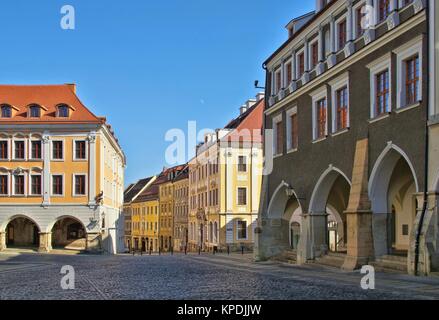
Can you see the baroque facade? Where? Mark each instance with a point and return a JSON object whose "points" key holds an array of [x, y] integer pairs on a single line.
{"points": [[61, 172], [224, 183], [347, 104]]}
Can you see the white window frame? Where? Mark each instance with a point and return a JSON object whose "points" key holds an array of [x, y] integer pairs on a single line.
{"points": [[337, 31], [246, 196], [298, 53], [13, 185], [245, 162], [375, 68], [275, 72], [289, 113], [63, 185], [284, 80], [8, 175], [31, 174], [30, 149], [14, 140], [337, 84], [276, 120], [63, 149], [403, 53], [74, 175], [317, 95], [74, 149], [310, 45], [355, 8], [237, 229], [8, 146]]}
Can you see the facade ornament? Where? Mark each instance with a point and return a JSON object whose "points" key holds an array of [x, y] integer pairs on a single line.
{"points": [[91, 138]]}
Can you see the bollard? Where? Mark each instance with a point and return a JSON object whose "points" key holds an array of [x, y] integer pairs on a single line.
{"points": [[141, 252], [199, 251], [242, 250], [134, 252], [185, 250], [228, 250], [150, 251]]}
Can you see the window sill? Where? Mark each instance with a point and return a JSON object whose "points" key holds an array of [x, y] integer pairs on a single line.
{"points": [[293, 150], [340, 132], [380, 117], [408, 107], [15, 159], [277, 155], [57, 160], [319, 139], [80, 160]]}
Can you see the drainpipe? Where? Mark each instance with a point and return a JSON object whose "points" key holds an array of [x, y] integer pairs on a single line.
{"points": [[426, 154]]}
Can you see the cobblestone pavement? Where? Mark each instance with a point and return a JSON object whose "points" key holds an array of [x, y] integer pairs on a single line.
{"points": [[205, 277]]}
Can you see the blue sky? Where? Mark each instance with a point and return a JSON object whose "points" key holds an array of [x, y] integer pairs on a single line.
{"points": [[148, 66]]}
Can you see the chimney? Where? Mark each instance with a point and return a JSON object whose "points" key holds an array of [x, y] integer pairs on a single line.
{"points": [[260, 96], [243, 109], [250, 103], [72, 87]]}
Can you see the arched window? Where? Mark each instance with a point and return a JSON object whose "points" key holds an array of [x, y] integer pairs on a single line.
{"points": [[34, 111], [63, 111], [6, 111]]}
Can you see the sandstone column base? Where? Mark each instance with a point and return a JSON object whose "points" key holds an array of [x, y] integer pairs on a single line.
{"points": [[94, 242], [2, 241], [45, 242]]}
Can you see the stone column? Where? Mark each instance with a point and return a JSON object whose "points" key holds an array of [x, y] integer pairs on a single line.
{"points": [[2, 240], [45, 242], [313, 238], [358, 213]]}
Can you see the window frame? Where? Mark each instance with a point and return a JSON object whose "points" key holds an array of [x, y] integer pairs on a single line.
{"points": [[14, 193], [277, 86], [6, 106], [238, 221], [8, 184], [14, 140], [58, 112], [356, 9], [8, 153], [237, 196], [298, 54], [314, 42], [31, 141], [290, 146], [33, 107], [288, 61], [74, 175], [74, 149], [275, 122], [338, 22], [31, 175], [52, 194], [403, 54], [375, 68], [52, 149], [336, 85], [317, 96], [242, 164]]}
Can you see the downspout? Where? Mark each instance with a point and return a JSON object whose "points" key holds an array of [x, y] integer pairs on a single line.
{"points": [[426, 154]]}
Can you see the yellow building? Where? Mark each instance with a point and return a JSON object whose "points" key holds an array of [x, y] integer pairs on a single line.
{"points": [[181, 209], [130, 195], [61, 172], [225, 183]]}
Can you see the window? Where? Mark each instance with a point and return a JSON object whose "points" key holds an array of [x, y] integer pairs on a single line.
{"points": [[278, 81], [4, 154], [36, 149], [80, 150], [342, 108], [19, 150], [300, 64], [6, 111], [294, 131], [321, 119], [383, 9], [80, 183], [4, 182], [289, 73], [382, 92], [242, 164], [242, 196], [412, 80], [342, 33], [360, 16], [278, 136], [409, 73], [34, 111], [241, 228], [35, 185], [57, 150], [63, 111], [57, 185], [19, 185], [314, 54]]}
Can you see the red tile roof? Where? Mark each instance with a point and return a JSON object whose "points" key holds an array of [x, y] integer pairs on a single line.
{"points": [[49, 97]]}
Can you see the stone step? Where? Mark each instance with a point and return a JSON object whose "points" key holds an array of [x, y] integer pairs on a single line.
{"points": [[390, 264], [288, 256], [393, 258], [332, 259]]}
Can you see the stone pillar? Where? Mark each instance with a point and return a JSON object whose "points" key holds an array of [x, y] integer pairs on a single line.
{"points": [[2, 240], [93, 243], [358, 213], [45, 242], [313, 238]]}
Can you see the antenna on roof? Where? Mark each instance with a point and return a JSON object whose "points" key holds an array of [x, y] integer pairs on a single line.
{"points": [[257, 85]]}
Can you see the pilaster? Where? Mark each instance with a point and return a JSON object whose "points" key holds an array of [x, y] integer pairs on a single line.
{"points": [[45, 242], [2, 240]]}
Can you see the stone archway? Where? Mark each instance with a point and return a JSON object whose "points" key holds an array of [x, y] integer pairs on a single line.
{"points": [[21, 232], [393, 187], [329, 201], [68, 233]]}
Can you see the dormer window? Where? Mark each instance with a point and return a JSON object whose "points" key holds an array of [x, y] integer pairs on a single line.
{"points": [[6, 111], [34, 111], [63, 111]]}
